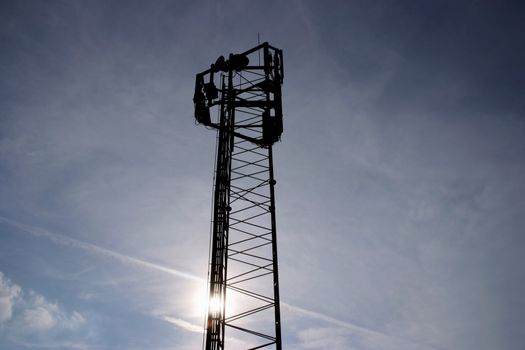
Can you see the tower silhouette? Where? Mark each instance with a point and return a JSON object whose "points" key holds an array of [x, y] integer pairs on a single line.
{"points": [[240, 97]]}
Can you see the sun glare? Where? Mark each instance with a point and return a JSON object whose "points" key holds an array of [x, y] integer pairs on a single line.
{"points": [[215, 304], [202, 304]]}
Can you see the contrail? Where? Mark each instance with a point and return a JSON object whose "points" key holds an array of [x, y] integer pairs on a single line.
{"points": [[360, 329], [331, 320], [92, 248]]}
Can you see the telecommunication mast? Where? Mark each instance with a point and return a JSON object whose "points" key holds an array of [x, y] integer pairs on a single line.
{"points": [[240, 97]]}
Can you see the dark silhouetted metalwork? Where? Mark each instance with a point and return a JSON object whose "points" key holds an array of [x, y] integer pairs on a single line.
{"points": [[244, 91]]}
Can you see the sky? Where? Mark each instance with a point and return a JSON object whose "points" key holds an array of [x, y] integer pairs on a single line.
{"points": [[400, 194]]}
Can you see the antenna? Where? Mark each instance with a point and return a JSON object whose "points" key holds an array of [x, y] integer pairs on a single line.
{"points": [[243, 270], [259, 43]]}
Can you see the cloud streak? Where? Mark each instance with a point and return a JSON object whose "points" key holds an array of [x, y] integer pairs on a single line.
{"points": [[377, 335], [95, 249], [188, 326]]}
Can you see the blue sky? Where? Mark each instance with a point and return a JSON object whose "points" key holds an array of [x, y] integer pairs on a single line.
{"points": [[400, 196]]}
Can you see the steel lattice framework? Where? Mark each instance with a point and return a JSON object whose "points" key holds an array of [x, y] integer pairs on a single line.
{"points": [[243, 273]]}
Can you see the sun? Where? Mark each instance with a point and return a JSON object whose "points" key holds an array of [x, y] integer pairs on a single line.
{"points": [[203, 304], [215, 305]]}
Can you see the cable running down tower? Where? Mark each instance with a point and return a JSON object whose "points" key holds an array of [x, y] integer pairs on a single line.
{"points": [[245, 92]]}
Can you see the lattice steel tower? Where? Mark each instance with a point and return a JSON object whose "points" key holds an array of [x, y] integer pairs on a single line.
{"points": [[245, 92]]}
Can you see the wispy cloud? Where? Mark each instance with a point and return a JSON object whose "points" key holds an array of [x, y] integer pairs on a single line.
{"points": [[9, 293], [324, 338], [26, 314], [188, 326], [378, 336], [332, 320], [40, 315], [95, 249]]}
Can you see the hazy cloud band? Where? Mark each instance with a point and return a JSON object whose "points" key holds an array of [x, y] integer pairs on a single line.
{"points": [[89, 247]]}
